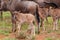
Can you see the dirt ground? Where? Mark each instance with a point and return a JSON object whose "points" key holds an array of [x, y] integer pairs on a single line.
{"points": [[38, 37], [46, 35], [12, 35]]}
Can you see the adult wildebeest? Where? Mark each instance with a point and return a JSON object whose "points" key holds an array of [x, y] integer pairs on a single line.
{"points": [[25, 17], [23, 6]]}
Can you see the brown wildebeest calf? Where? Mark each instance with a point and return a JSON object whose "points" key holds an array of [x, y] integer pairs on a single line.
{"points": [[28, 18], [43, 13], [55, 14]]}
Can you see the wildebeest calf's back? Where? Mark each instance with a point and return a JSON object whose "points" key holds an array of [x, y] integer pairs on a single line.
{"points": [[21, 17]]}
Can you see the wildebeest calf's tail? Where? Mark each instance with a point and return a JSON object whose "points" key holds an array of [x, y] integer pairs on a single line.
{"points": [[37, 18]]}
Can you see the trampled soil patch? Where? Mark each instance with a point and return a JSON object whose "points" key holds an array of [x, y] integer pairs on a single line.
{"points": [[46, 35], [12, 35], [38, 37]]}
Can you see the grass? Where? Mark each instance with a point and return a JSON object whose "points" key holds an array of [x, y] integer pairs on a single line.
{"points": [[7, 38], [5, 25], [24, 26], [4, 32], [52, 38], [48, 38]]}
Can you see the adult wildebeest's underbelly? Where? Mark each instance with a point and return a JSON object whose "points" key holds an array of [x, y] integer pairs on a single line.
{"points": [[27, 6]]}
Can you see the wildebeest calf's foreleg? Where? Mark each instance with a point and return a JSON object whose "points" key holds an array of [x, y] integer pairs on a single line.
{"points": [[13, 23], [55, 26], [18, 27]]}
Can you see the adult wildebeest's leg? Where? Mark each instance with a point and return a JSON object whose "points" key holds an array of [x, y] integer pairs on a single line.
{"points": [[38, 18], [55, 26], [47, 19], [42, 24], [1, 15]]}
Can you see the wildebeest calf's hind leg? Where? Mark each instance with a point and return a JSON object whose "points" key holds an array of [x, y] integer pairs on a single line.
{"points": [[32, 29]]}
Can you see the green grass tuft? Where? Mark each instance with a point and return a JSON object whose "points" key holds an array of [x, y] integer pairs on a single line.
{"points": [[9, 38]]}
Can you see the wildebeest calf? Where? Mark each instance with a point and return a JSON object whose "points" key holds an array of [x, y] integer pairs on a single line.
{"points": [[28, 18], [43, 13], [55, 13]]}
